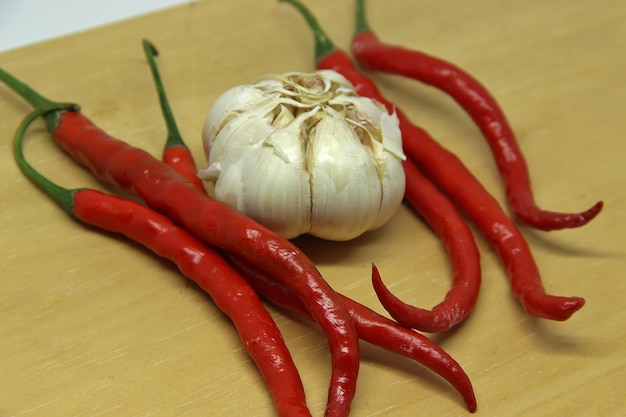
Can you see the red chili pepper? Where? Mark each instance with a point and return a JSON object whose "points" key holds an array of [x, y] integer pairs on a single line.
{"points": [[451, 175], [165, 191], [176, 153], [372, 328], [231, 293], [443, 217], [480, 105]]}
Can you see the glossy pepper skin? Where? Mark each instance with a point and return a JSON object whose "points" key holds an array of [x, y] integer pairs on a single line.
{"points": [[450, 227], [260, 336], [454, 179], [372, 328], [165, 191], [373, 54]]}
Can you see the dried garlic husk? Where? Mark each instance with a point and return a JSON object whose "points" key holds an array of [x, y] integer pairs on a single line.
{"points": [[303, 153]]}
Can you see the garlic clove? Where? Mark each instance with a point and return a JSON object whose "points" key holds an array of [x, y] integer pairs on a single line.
{"points": [[231, 103], [388, 154], [261, 169], [344, 180]]}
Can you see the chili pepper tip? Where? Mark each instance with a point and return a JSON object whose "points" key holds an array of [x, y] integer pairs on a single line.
{"points": [[149, 47]]}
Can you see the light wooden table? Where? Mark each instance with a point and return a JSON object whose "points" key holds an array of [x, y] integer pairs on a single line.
{"points": [[91, 325]]}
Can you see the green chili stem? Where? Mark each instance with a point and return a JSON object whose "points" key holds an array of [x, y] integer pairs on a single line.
{"points": [[51, 116], [62, 196], [174, 137], [323, 45], [361, 20]]}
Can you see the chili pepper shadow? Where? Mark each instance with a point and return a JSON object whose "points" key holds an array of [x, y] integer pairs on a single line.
{"points": [[424, 101], [13, 100], [563, 246], [134, 250], [408, 370], [554, 340], [329, 252], [442, 338]]}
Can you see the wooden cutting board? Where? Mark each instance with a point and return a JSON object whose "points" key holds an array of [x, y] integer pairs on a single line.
{"points": [[91, 325]]}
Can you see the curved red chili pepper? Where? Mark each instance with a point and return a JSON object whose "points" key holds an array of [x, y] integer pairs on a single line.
{"points": [[480, 105], [453, 177], [231, 293], [164, 190], [442, 216], [372, 328]]}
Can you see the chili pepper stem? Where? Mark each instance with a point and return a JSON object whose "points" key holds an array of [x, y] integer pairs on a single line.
{"points": [[361, 19], [51, 115], [62, 196], [323, 45], [174, 137], [176, 153]]}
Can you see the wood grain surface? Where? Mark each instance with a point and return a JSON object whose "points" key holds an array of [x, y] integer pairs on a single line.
{"points": [[91, 325]]}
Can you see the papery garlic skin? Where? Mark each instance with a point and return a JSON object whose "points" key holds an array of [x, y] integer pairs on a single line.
{"points": [[304, 154]]}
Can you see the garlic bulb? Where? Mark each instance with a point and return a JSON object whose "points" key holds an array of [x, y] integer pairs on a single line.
{"points": [[305, 154]]}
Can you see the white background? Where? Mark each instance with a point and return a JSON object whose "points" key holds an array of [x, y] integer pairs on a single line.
{"points": [[23, 22]]}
